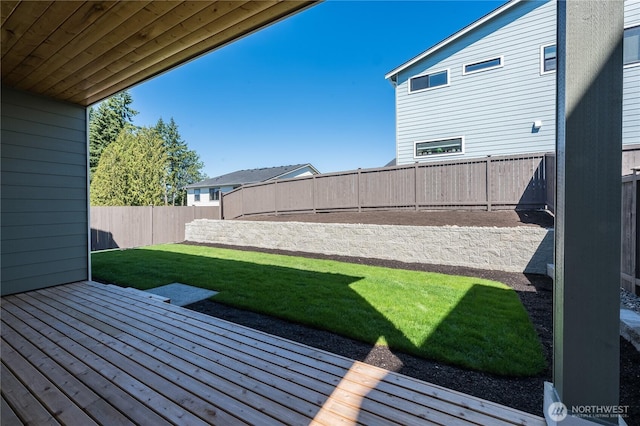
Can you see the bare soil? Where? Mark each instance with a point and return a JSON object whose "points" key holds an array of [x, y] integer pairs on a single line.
{"points": [[502, 218], [535, 292]]}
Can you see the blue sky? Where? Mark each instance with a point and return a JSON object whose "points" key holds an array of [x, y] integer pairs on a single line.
{"points": [[309, 89]]}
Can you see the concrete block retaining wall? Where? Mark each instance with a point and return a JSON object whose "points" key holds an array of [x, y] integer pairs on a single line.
{"points": [[521, 249]]}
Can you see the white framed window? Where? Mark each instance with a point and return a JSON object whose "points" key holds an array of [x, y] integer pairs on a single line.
{"points": [[548, 58], [485, 65], [214, 194], [631, 46], [429, 81], [437, 147], [196, 194]]}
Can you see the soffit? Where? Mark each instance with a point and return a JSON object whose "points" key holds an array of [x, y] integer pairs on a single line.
{"points": [[85, 51]]}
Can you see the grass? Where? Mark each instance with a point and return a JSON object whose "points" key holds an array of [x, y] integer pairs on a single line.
{"points": [[469, 322]]}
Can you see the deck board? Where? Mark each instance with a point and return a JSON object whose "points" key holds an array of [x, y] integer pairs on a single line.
{"points": [[93, 352]]}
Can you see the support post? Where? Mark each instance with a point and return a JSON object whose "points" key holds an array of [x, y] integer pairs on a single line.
{"points": [[587, 248]]}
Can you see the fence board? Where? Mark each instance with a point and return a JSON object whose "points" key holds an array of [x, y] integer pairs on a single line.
{"points": [[294, 195], [550, 178], [334, 192], [518, 182], [127, 227], [628, 230], [259, 199], [452, 184], [387, 188], [231, 204]]}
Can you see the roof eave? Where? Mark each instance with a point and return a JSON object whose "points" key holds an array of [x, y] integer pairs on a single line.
{"points": [[302, 166], [393, 73]]}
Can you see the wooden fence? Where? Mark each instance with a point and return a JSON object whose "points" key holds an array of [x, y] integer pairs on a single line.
{"points": [[127, 227], [490, 183], [630, 252], [630, 231], [550, 174]]}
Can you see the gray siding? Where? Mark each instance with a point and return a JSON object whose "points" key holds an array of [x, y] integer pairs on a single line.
{"points": [[495, 109], [631, 84], [44, 192]]}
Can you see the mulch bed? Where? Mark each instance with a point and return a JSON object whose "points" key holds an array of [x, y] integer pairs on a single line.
{"points": [[501, 218], [535, 292]]}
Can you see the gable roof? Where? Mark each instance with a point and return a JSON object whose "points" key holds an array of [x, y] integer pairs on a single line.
{"points": [[243, 177], [85, 51], [393, 73]]}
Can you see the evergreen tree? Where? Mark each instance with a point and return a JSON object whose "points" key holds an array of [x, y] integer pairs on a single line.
{"points": [[131, 170], [183, 165], [105, 124]]}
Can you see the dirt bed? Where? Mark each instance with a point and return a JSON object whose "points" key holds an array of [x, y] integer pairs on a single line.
{"points": [[505, 218], [535, 292]]}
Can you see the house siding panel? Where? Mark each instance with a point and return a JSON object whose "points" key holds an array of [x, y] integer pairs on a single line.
{"points": [[480, 106], [631, 106], [44, 192], [631, 84], [495, 109]]}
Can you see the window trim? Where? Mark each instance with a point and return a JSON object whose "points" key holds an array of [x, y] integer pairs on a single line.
{"points": [[196, 195], [444, 154], [542, 71], [626, 27], [447, 70], [493, 67]]}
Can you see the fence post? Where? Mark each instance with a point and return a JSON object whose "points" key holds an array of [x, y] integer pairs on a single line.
{"points": [[634, 226], [275, 197], [359, 202], [415, 184], [488, 178], [313, 192]]}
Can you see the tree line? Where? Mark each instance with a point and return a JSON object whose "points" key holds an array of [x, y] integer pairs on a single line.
{"points": [[137, 165]]}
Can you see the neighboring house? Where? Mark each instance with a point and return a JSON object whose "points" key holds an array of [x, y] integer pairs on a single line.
{"points": [[489, 89], [208, 192]]}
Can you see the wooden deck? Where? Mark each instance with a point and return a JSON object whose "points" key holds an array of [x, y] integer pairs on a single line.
{"points": [[88, 353]]}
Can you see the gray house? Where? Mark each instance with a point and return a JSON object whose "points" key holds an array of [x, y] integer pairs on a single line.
{"points": [[209, 191], [489, 89], [59, 58]]}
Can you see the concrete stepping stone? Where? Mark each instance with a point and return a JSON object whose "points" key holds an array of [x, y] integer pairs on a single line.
{"points": [[182, 294]]}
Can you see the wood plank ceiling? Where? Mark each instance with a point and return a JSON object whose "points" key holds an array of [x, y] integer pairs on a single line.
{"points": [[85, 51]]}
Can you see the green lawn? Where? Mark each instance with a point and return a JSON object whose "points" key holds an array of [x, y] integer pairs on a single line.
{"points": [[470, 322]]}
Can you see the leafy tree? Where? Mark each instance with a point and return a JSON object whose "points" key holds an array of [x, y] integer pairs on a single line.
{"points": [[105, 124], [183, 165], [131, 170]]}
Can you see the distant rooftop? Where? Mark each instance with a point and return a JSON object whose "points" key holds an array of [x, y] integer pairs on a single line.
{"points": [[243, 177]]}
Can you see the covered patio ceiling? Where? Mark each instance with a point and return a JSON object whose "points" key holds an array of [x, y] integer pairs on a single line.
{"points": [[85, 51]]}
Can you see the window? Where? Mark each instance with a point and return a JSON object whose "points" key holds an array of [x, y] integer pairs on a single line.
{"points": [[482, 65], [548, 59], [439, 147], [429, 81], [631, 46], [196, 194], [214, 194]]}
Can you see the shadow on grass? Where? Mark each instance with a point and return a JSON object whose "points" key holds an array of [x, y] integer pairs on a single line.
{"points": [[476, 332]]}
